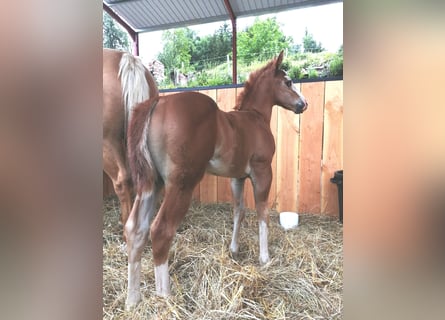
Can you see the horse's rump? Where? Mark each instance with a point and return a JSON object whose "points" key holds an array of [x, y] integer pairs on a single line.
{"points": [[126, 82]]}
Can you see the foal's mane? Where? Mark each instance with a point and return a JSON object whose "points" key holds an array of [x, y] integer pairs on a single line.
{"points": [[250, 84]]}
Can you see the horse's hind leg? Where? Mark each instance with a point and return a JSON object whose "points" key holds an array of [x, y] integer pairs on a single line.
{"points": [[115, 167], [237, 186], [163, 229], [136, 232]]}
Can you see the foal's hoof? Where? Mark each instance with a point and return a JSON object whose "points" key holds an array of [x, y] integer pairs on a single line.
{"points": [[132, 301], [234, 255], [163, 294], [264, 261]]}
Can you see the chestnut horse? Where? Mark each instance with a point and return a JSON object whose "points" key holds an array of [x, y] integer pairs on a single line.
{"points": [[125, 82], [173, 140]]}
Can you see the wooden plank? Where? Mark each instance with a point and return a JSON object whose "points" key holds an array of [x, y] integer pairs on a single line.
{"points": [[249, 199], [311, 149], [225, 98], [224, 193], [332, 145], [208, 189], [196, 193], [288, 131]]}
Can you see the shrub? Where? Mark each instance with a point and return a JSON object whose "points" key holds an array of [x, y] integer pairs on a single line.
{"points": [[205, 79], [295, 72], [336, 66], [286, 65], [313, 74], [201, 79], [218, 80]]}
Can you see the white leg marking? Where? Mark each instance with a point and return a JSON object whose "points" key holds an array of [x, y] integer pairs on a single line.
{"points": [[148, 203], [264, 250], [134, 279], [162, 279], [145, 195], [137, 228], [237, 191], [236, 226]]}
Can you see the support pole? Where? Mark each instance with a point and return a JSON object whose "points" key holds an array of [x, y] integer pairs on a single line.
{"points": [[133, 34], [135, 38], [234, 54]]}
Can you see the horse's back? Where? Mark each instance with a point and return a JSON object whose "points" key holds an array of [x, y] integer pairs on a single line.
{"points": [[111, 57], [112, 107]]}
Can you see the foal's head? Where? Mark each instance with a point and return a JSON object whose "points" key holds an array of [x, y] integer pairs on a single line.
{"points": [[285, 92]]}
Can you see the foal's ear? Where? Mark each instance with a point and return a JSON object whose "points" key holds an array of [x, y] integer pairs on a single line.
{"points": [[279, 60]]}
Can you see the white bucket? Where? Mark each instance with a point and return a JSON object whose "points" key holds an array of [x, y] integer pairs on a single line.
{"points": [[288, 220]]}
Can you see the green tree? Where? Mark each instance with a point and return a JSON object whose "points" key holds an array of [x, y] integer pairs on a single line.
{"points": [[178, 46], [114, 36], [340, 50], [261, 41], [212, 49], [309, 43]]}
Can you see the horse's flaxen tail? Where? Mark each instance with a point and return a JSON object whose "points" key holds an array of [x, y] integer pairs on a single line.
{"points": [[134, 84], [142, 168]]}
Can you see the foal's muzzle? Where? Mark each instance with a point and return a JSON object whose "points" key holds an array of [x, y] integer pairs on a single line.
{"points": [[301, 106]]}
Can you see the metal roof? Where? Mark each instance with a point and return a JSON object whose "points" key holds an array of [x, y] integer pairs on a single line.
{"points": [[151, 15]]}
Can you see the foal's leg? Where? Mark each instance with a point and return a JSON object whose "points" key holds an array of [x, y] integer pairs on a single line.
{"points": [[163, 229], [136, 231], [238, 211], [261, 181]]}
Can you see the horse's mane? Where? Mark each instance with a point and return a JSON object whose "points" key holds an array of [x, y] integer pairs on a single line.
{"points": [[250, 84]]}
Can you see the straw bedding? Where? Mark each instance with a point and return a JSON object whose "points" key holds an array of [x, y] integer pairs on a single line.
{"points": [[304, 279]]}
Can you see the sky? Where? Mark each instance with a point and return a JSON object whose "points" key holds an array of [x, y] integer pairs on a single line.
{"points": [[324, 22]]}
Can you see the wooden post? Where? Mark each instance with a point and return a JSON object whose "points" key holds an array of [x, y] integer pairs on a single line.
{"points": [[133, 34], [234, 57]]}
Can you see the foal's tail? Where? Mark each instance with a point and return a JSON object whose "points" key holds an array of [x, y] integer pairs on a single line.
{"points": [[135, 87], [142, 168]]}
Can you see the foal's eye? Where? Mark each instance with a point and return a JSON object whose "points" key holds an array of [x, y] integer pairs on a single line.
{"points": [[289, 83]]}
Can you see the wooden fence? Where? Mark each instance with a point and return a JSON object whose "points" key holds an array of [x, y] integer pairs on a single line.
{"points": [[309, 149]]}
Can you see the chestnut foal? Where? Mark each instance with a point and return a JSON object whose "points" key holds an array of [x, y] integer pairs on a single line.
{"points": [[173, 140]]}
